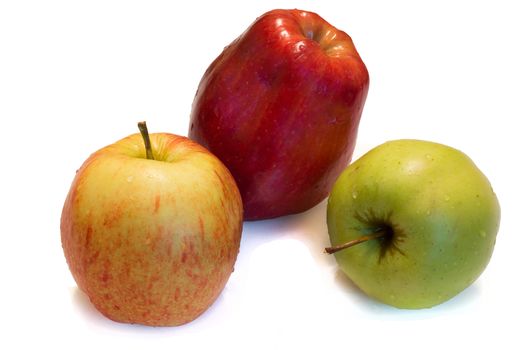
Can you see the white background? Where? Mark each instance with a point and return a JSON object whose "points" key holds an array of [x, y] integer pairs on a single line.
{"points": [[75, 77]]}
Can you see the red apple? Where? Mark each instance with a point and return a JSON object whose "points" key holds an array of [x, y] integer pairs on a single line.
{"points": [[280, 107], [152, 237]]}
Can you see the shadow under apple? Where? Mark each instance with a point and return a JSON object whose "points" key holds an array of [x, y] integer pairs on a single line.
{"points": [[310, 228]]}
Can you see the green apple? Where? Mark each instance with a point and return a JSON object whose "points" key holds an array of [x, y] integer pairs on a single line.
{"points": [[151, 233], [425, 218]]}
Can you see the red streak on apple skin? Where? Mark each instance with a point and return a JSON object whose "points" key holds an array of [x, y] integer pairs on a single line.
{"points": [[176, 294], [169, 246], [202, 232], [113, 216], [223, 185], [157, 203], [105, 276], [89, 234], [280, 114]]}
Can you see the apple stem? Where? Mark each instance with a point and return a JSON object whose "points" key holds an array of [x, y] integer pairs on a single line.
{"points": [[147, 143], [375, 235]]}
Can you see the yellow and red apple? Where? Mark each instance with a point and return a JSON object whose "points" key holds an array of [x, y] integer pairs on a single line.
{"points": [[152, 241]]}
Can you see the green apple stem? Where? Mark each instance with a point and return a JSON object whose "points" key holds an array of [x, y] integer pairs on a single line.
{"points": [[147, 143], [375, 235]]}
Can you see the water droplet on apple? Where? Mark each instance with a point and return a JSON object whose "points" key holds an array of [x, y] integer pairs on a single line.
{"points": [[299, 47], [354, 194]]}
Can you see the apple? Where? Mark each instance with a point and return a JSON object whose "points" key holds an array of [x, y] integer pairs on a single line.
{"points": [[151, 229], [412, 223], [280, 107]]}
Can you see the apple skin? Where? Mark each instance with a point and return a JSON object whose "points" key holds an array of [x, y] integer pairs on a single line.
{"points": [[152, 241], [281, 107], [442, 214]]}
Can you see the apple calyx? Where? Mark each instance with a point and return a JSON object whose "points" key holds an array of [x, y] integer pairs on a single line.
{"points": [[331, 40], [378, 234], [145, 136]]}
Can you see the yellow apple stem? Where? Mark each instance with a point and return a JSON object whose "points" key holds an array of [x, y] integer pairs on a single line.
{"points": [[375, 235], [147, 143]]}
